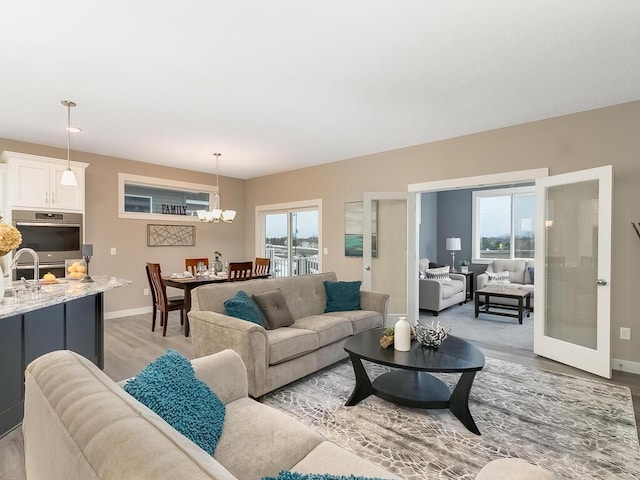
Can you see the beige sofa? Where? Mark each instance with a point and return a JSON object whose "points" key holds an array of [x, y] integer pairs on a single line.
{"points": [[277, 357], [519, 277], [79, 424]]}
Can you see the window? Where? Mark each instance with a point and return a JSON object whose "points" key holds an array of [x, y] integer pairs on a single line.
{"points": [[289, 234], [504, 223], [156, 198]]}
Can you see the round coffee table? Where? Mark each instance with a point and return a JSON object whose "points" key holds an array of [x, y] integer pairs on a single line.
{"points": [[410, 384]]}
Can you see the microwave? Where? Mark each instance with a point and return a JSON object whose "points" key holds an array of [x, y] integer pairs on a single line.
{"points": [[56, 237]]}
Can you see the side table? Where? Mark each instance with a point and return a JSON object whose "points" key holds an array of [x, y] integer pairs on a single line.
{"points": [[471, 283]]}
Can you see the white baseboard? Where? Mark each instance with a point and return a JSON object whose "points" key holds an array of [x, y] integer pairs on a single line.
{"points": [[126, 313], [625, 366]]}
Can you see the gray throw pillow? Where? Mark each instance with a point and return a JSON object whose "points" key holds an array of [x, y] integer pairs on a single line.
{"points": [[275, 309]]}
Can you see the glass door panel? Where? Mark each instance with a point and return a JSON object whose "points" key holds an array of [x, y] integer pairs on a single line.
{"points": [[291, 241], [573, 267], [304, 242], [571, 260], [276, 243]]}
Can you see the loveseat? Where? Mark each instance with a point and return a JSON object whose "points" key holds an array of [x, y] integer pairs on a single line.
{"points": [[521, 276], [279, 356], [435, 295], [80, 425]]}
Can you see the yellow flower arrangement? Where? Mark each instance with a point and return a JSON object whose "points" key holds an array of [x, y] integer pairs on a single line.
{"points": [[10, 238]]}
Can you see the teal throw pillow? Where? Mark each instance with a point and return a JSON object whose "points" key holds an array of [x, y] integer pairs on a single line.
{"points": [[244, 307], [169, 387], [342, 296], [287, 475]]}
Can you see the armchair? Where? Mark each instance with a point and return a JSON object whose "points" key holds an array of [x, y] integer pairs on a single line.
{"points": [[436, 295]]}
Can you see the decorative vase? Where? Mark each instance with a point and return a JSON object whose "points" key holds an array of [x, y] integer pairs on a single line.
{"points": [[402, 335], [216, 265], [464, 269]]}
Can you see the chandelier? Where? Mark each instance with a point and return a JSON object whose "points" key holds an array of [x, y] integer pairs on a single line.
{"points": [[216, 214], [68, 177]]}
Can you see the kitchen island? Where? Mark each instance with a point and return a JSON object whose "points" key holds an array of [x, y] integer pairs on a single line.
{"points": [[66, 315]]}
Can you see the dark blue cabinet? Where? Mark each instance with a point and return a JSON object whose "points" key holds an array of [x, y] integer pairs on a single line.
{"points": [[76, 325]]}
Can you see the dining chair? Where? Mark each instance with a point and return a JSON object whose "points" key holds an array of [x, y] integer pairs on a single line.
{"points": [[161, 301], [239, 271], [191, 264], [261, 266]]}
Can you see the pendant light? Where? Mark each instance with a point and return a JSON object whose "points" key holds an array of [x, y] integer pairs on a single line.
{"points": [[68, 177], [216, 214]]}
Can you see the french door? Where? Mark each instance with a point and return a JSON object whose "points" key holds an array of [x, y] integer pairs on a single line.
{"points": [[389, 218], [572, 270]]}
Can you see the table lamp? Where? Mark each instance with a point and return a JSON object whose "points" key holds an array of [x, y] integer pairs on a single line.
{"points": [[87, 253], [453, 245]]}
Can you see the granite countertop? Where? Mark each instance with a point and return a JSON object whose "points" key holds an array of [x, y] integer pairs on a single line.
{"points": [[56, 293]]}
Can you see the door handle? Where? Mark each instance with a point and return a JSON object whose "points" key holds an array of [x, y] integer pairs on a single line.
{"points": [[602, 282], [367, 268]]}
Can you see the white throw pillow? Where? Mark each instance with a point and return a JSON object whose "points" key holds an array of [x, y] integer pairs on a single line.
{"points": [[439, 274], [499, 278]]}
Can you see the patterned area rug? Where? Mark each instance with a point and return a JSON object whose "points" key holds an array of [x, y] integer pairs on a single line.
{"points": [[575, 427]]}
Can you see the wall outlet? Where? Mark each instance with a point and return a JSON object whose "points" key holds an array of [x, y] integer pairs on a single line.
{"points": [[113, 250], [625, 333], [145, 292]]}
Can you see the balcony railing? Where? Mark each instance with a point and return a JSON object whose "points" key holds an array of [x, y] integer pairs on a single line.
{"points": [[300, 265]]}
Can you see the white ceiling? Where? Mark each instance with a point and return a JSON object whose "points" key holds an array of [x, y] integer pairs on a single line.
{"points": [[276, 85]]}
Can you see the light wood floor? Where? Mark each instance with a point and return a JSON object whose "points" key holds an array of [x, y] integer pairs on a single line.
{"points": [[130, 345]]}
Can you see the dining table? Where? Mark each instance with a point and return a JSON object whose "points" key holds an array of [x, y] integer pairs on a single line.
{"points": [[189, 283]]}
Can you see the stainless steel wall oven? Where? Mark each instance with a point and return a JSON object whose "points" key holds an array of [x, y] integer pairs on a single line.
{"points": [[55, 236]]}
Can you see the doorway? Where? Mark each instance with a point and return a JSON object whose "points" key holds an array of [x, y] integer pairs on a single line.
{"points": [[502, 331], [490, 223]]}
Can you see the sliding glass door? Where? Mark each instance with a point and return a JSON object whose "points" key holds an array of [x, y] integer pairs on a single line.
{"points": [[290, 237]]}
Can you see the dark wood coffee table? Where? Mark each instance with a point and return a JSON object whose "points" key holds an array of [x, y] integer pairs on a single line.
{"points": [[410, 384], [522, 297]]}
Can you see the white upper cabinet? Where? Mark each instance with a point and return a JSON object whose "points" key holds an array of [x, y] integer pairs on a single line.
{"points": [[34, 183]]}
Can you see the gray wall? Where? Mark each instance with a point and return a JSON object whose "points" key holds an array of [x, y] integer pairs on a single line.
{"points": [[454, 220], [428, 244]]}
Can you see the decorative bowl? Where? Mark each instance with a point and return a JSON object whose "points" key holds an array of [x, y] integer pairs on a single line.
{"points": [[431, 336]]}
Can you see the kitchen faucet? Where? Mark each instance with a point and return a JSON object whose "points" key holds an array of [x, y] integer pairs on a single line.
{"points": [[35, 284]]}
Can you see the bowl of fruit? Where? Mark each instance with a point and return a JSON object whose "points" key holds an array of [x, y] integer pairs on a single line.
{"points": [[75, 269]]}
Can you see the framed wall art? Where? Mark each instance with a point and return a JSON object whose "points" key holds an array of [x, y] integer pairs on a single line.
{"points": [[171, 235], [353, 236]]}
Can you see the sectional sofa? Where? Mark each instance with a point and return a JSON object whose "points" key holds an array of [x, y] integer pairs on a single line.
{"points": [[80, 425]]}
